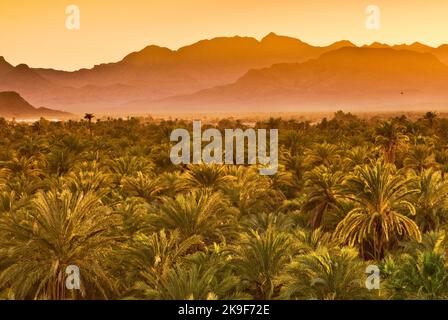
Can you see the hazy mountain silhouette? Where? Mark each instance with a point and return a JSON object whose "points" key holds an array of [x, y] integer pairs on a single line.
{"points": [[440, 52], [347, 78], [156, 72], [12, 105], [277, 72]]}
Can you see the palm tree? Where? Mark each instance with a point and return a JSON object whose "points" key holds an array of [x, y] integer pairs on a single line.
{"points": [[87, 179], [150, 258], [143, 186], [322, 154], [160, 251], [420, 157], [431, 200], [180, 283], [259, 260], [357, 156], [430, 117], [323, 191], [305, 241], [376, 222], [60, 161], [197, 213], [435, 241], [295, 165], [128, 166], [247, 190], [33, 147], [325, 275], [89, 117], [391, 138], [27, 166], [205, 279], [441, 157], [421, 275], [210, 176], [58, 230]]}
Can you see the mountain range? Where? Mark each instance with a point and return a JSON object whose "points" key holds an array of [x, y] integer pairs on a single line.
{"points": [[277, 73], [12, 105]]}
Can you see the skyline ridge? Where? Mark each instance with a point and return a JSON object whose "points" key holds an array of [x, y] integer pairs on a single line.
{"points": [[4, 58]]}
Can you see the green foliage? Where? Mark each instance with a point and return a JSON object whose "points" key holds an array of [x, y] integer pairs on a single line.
{"points": [[104, 196]]}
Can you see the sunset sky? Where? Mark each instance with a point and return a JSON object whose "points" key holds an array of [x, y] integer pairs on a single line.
{"points": [[34, 32]]}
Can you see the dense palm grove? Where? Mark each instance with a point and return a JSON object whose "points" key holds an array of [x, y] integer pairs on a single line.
{"points": [[104, 196]]}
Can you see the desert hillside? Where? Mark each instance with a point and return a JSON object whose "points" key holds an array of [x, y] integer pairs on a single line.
{"points": [[12, 105]]}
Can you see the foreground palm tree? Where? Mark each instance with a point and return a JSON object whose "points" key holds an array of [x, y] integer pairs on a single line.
{"points": [[202, 276], [58, 230], [323, 189], [326, 275], [198, 213], [376, 222], [421, 275], [431, 200], [260, 259]]}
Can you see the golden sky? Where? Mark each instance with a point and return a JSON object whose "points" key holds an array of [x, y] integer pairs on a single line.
{"points": [[34, 31]]}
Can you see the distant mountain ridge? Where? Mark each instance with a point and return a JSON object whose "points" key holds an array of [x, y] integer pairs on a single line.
{"points": [[348, 78], [12, 105], [155, 76]]}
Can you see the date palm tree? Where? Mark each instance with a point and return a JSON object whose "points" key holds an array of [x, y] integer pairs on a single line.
{"points": [[420, 157], [431, 200], [58, 230], [128, 166], [207, 176], [322, 154], [202, 276], [323, 193], [357, 156], [89, 117], [430, 117], [379, 218], [247, 190], [326, 275], [197, 213], [421, 275], [259, 260], [391, 138], [143, 186]]}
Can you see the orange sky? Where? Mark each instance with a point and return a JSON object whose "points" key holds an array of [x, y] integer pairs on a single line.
{"points": [[33, 31]]}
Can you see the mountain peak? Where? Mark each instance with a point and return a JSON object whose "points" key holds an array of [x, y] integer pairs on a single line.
{"points": [[22, 67], [269, 36], [148, 55], [419, 45], [12, 104], [377, 44], [5, 66], [3, 62], [275, 40], [342, 43]]}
